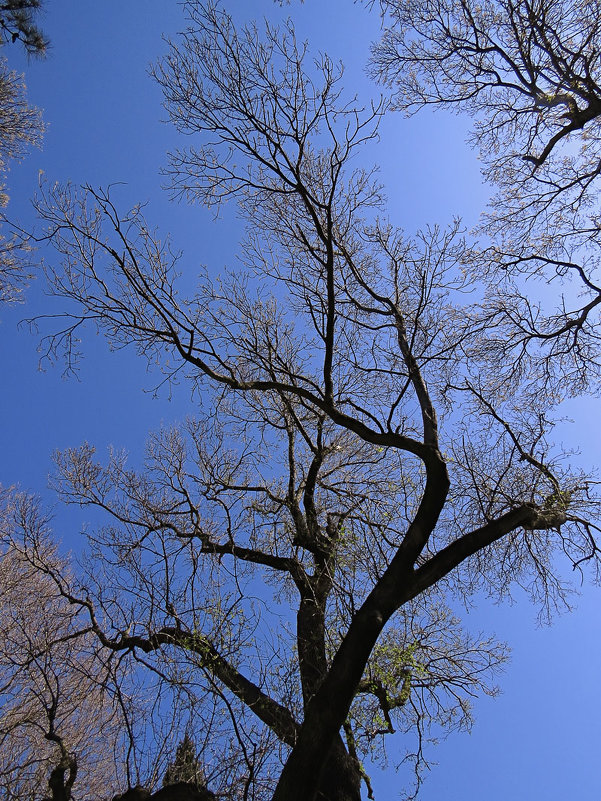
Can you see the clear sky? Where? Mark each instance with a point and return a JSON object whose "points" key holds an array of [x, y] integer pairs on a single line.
{"points": [[541, 738]]}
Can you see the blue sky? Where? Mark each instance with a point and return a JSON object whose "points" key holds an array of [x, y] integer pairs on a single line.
{"points": [[540, 738]]}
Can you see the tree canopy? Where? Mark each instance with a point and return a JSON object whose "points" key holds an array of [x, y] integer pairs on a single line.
{"points": [[375, 410]]}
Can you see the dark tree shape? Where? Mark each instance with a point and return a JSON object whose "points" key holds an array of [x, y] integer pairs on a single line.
{"points": [[18, 23], [186, 767], [355, 449], [529, 73]]}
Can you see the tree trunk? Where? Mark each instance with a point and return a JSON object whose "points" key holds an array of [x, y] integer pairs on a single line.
{"points": [[341, 777]]}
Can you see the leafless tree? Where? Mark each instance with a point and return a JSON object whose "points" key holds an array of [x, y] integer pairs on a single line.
{"points": [[20, 128], [530, 75], [528, 72], [56, 722], [75, 719], [353, 452]]}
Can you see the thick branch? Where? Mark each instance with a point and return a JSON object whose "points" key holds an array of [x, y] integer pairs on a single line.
{"points": [[526, 516], [273, 714]]}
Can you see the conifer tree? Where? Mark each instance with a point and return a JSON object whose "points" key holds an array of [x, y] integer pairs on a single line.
{"points": [[186, 766]]}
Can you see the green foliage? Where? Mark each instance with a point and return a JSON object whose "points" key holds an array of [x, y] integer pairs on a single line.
{"points": [[558, 500]]}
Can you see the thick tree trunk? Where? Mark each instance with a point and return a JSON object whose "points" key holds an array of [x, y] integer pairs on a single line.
{"points": [[62, 778], [341, 779]]}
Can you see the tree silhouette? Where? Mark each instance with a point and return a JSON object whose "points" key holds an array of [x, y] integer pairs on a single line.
{"points": [[364, 445]]}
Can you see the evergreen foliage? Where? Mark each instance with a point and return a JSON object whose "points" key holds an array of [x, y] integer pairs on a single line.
{"points": [[185, 767], [17, 24]]}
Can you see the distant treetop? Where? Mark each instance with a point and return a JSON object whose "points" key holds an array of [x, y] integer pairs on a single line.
{"points": [[17, 24], [186, 767]]}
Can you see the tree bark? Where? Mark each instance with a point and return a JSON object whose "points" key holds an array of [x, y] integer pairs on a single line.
{"points": [[341, 776]]}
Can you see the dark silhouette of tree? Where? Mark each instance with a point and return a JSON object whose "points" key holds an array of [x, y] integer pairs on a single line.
{"points": [[186, 766], [180, 791], [529, 74], [527, 71], [361, 451], [18, 24]]}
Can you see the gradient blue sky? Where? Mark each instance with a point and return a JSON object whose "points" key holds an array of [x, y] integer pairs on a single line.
{"points": [[540, 739]]}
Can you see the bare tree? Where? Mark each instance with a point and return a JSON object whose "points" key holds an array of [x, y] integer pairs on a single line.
{"points": [[529, 73], [76, 721], [57, 723], [354, 451], [20, 128]]}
